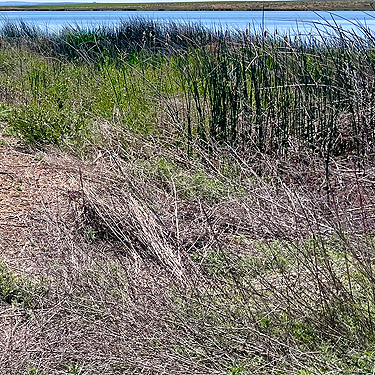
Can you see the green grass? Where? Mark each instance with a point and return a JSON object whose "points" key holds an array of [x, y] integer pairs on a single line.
{"points": [[60, 102], [199, 89], [257, 94], [19, 290]]}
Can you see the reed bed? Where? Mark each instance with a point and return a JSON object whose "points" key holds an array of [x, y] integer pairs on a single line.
{"points": [[251, 91]]}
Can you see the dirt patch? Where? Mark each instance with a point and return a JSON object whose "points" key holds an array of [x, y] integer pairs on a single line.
{"points": [[30, 181]]}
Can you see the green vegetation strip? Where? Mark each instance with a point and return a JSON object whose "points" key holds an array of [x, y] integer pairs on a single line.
{"points": [[255, 92], [207, 6]]}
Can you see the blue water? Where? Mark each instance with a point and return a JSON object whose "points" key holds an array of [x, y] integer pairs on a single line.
{"points": [[283, 21]]}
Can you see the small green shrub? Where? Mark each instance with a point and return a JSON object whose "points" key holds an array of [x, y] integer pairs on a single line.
{"points": [[91, 235], [49, 124], [74, 369], [236, 370], [5, 111], [17, 290], [34, 371]]}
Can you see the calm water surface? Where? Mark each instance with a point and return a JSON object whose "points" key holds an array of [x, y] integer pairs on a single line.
{"points": [[283, 21]]}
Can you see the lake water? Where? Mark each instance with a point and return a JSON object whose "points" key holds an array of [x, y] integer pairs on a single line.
{"points": [[283, 21]]}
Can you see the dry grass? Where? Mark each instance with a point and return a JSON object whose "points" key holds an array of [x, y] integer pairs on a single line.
{"points": [[112, 254], [101, 254]]}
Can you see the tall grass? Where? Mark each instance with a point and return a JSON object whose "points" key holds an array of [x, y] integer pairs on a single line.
{"points": [[250, 91], [274, 94]]}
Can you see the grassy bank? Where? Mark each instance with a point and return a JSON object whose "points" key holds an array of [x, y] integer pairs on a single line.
{"points": [[335, 5], [215, 210]]}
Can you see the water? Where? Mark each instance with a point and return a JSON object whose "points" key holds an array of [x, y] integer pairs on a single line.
{"points": [[283, 21]]}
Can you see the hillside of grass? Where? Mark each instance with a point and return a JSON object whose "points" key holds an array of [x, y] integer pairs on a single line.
{"points": [[332, 5], [176, 200]]}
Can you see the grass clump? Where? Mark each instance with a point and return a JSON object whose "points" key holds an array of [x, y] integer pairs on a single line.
{"points": [[39, 125], [192, 182], [17, 290]]}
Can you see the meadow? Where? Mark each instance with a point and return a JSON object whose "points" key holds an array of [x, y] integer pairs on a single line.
{"points": [[228, 224]]}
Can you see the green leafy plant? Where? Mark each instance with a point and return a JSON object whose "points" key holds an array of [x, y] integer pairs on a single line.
{"points": [[40, 125], [34, 371], [17, 290]]}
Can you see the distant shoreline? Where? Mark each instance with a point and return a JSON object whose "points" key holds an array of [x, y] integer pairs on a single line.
{"points": [[317, 5]]}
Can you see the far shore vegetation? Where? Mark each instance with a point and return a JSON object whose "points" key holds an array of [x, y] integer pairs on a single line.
{"points": [[334, 5], [211, 204]]}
